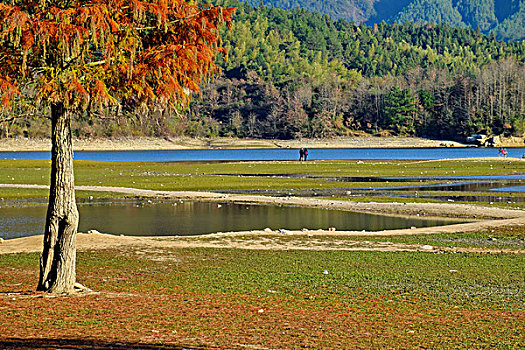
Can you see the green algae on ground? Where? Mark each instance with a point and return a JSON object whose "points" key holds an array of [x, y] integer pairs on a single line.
{"points": [[276, 299], [283, 176]]}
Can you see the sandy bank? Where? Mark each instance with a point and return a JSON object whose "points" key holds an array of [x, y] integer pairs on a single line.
{"points": [[145, 143]]}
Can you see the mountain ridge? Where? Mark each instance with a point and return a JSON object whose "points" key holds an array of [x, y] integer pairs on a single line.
{"points": [[504, 18]]}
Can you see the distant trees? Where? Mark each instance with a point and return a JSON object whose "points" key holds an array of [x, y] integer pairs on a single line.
{"points": [[424, 80]]}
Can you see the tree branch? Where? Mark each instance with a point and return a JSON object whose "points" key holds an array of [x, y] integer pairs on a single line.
{"points": [[20, 116], [100, 115], [97, 63], [6, 120], [171, 22]]}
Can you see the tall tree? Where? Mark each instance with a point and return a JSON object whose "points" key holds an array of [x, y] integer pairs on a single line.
{"points": [[76, 56], [399, 110]]}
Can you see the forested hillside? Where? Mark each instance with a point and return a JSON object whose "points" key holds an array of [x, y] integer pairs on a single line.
{"points": [[293, 73], [505, 18], [297, 74]]}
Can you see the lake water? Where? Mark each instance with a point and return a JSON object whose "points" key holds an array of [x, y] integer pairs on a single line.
{"points": [[191, 218], [276, 154], [520, 188]]}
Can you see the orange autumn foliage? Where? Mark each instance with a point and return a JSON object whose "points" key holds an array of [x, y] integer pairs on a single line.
{"points": [[98, 52]]}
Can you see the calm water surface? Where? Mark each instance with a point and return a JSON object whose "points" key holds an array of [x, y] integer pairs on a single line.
{"points": [[275, 154], [520, 188], [191, 218]]}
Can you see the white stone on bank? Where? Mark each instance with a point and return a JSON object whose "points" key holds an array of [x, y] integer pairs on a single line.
{"points": [[284, 231]]}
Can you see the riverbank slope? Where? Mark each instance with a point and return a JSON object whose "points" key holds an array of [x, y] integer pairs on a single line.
{"points": [[150, 143], [168, 143]]}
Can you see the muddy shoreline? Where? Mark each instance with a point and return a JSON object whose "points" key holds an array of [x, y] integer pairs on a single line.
{"points": [[145, 143], [182, 143]]}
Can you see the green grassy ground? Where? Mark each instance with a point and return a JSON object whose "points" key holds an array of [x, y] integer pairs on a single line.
{"points": [[225, 176], [28, 193], [233, 299], [89, 172], [210, 298]]}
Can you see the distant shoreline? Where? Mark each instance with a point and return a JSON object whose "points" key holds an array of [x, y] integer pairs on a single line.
{"points": [[147, 143], [150, 143]]}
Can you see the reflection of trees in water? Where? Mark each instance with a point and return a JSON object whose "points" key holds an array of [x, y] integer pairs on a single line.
{"points": [[190, 218]]}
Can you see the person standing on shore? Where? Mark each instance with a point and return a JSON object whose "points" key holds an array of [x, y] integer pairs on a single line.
{"points": [[301, 154], [305, 153]]}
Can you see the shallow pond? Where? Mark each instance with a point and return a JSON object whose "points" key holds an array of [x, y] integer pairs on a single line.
{"points": [[142, 218]]}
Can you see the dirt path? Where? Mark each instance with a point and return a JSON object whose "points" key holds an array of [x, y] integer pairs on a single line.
{"points": [[153, 248], [484, 218]]}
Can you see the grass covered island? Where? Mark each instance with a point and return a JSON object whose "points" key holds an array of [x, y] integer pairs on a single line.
{"points": [[452, 287]]}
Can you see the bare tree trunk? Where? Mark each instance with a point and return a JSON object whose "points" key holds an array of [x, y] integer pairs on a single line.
{"points": [[57, 263]]}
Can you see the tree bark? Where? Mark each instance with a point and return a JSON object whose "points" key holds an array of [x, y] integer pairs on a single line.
{"points": [[58, 260]]}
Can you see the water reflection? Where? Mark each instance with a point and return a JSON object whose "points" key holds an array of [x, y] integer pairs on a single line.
{"points": [[191, 218]]}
